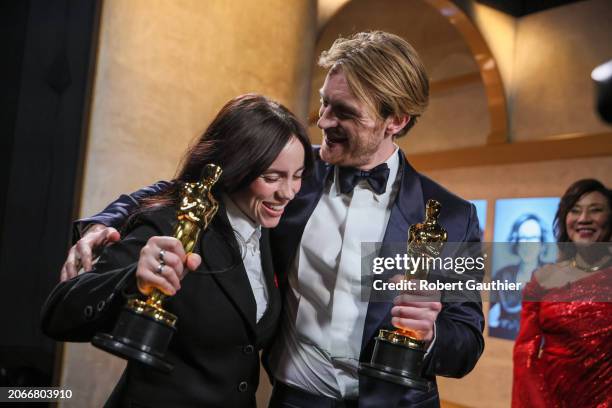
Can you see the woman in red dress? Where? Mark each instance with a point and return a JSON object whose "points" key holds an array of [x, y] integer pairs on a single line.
{"points": [[563, 353]]}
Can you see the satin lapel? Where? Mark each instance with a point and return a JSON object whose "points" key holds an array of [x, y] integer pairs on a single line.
{"points": [[228, 271], [266, 261], [408, 209]]}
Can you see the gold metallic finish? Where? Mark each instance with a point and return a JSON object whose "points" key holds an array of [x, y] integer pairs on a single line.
{"points": [[425, 239], [141, 307], [395, 337], [197, 208]]}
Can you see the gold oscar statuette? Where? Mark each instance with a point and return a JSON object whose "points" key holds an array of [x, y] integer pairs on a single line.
{"points": [[398, 354], [144, 329]]}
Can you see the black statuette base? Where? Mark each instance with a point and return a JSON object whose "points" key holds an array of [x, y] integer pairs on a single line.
{"points": [[138, 338], [398, 364]]}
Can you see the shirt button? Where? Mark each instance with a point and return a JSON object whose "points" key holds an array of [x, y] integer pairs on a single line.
{"points": [[248, 349], [243, 386]]}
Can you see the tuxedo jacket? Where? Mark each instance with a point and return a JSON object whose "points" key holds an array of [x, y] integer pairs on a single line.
{"points": [[215, 348], [459, 341]]}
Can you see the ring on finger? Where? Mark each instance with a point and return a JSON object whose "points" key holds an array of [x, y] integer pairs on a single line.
{"points": [[160, 268], [161, 256]]}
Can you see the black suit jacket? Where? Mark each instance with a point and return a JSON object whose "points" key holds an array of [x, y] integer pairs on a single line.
{"points": [[459, 341], [215, 348]]}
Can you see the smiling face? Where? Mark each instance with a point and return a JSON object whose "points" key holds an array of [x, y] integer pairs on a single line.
{"points": [[264, 200], [588, 220], [353, 135]]}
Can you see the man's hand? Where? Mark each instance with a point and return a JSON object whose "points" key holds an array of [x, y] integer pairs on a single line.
{"points": [[416, 311], [415, 316], [81, 253], [163, 264]]}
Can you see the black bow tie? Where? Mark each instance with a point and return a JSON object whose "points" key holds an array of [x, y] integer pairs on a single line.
{"points": [[376, 178]]}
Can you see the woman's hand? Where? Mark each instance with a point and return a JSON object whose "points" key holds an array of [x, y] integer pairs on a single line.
{"points": [[163, 264]]}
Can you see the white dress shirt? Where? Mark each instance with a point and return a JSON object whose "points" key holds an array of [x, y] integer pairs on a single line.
{"points": [[322, 325], [248, 234]]}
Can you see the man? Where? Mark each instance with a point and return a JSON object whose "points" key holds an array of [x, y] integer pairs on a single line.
{"points": [[362, 190]]}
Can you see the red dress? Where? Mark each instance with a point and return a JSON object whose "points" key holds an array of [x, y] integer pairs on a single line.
{"points": [[563, 352]]}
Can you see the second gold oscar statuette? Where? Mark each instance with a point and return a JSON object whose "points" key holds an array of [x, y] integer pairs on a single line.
{"points": [[398, 354]]}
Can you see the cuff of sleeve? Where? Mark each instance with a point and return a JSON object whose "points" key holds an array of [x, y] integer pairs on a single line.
{"points": [[80, 227]]}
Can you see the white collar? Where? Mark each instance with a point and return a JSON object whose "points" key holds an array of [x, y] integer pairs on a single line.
{"points": [[240, 222]]}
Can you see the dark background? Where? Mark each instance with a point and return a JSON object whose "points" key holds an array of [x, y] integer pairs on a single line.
{"points": [[48, 52]]}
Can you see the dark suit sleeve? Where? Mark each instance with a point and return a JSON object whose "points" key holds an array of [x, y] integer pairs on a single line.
{"points": [[459, 341], [90, 302], [117, 212]]}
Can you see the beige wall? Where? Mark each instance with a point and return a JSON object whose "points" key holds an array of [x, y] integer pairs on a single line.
{"points": [[164, 69], [546, 60], [556, 50]]}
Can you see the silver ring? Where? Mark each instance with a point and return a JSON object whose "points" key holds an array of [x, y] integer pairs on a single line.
{"points": [[161, 257], [160, 268]]}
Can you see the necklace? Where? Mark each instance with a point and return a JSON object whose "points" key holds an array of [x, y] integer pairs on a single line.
{"points": [[589, 268]]}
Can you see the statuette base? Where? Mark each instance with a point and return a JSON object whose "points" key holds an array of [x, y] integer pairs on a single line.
{"points": [[138, 337], [398, 359]]}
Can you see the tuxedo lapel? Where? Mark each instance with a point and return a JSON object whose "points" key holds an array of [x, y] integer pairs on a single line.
{"points": [[228, 269], [266, 261], [408, 209], [285, 239]]}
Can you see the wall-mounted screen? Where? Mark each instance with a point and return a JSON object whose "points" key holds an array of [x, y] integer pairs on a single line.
{"points": [[524, 224]]}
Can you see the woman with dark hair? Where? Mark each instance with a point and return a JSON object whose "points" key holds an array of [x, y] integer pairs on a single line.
{"points": [[229, 304], [563, 353]]}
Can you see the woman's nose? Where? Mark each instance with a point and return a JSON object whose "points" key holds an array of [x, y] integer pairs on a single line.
{"points": [[585, 216], [287, 192]]}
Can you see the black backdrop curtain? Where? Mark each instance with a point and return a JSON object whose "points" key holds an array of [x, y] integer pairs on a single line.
{"points": [[48, 56]]}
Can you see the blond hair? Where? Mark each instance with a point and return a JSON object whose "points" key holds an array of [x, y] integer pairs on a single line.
{"points": [[384, 71]]}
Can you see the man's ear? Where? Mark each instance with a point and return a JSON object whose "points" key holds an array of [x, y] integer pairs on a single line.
{"points": [[395, 124]]}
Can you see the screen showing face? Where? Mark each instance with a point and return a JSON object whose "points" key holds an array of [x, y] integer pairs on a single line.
{"points": [[521, 227]]}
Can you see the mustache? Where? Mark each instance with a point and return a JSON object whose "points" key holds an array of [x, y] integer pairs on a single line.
{"points": [[334, 134]]}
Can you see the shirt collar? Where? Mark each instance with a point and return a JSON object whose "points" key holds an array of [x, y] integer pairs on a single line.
{"points": [[243, 225]]}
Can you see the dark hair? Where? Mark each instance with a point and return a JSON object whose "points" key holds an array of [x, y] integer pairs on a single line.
{"points": [[571, 197], [514, 237], [244, 139]]}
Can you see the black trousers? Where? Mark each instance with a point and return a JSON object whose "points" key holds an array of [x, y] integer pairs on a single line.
{"points": [[285, 396]]}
